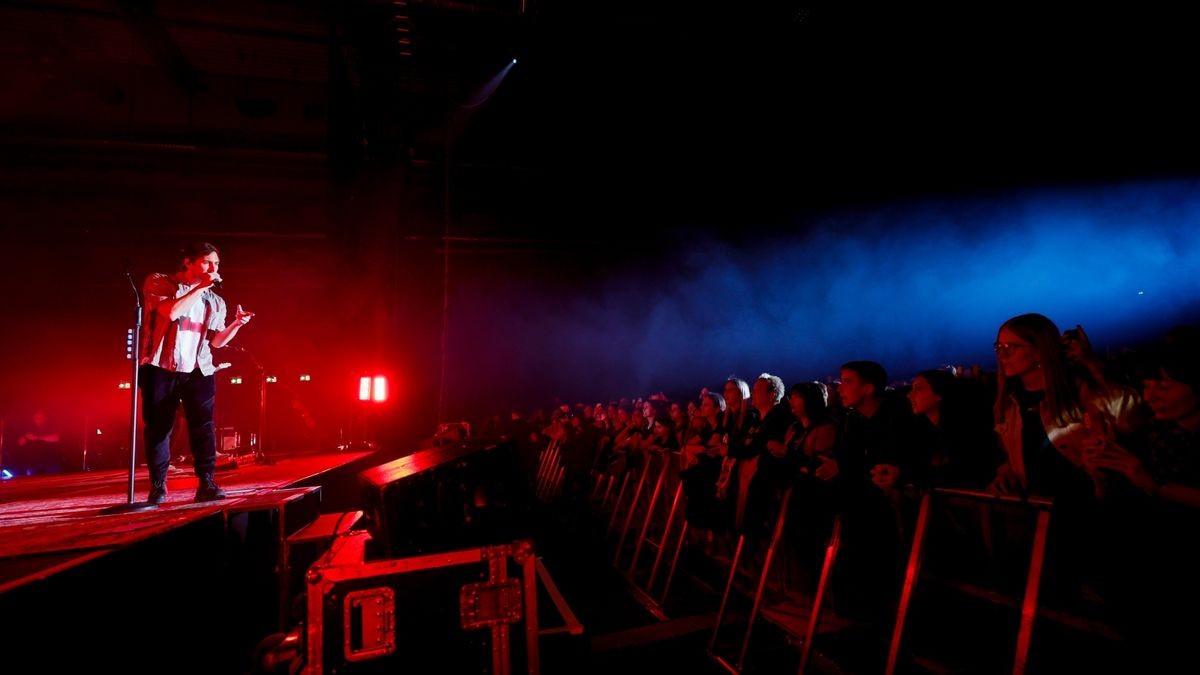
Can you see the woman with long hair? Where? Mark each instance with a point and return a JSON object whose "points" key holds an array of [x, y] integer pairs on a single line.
{"points": [[1038, 412]]}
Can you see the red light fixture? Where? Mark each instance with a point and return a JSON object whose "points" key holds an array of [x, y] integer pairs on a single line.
{"points": [[373, 388]]}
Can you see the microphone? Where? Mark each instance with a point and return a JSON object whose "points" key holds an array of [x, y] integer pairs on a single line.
{"points": [[217, 285]]}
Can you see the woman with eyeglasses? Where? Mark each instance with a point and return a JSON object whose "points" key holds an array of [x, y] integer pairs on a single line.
{"points": [[1044, 414]]}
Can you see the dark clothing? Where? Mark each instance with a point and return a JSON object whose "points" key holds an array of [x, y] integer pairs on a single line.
{"points": [[1070, 544], [700, 484], [1048, 473], [772, 427], [959, 456], [579, 450], [1174, 455], [771, 476], [1148, 556], [737, 429], [1041, 459], [700, 487], [162, 392], [884, 438], [868, 570], [33, 453]]}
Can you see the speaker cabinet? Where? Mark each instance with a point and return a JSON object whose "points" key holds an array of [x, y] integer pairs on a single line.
{"points": [[442, 498]]}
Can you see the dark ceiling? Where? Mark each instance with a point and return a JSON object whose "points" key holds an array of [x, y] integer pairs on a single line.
{"points": [[688, 111]]}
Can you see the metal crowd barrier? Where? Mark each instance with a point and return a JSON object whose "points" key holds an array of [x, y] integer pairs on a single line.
{"points": [[1029, 602]]}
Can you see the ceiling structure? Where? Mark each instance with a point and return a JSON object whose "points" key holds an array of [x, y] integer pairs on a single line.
{"points": [[691, 111]]}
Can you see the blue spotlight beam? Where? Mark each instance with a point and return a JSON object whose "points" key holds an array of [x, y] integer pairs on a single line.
{"points": [[913, 286]]}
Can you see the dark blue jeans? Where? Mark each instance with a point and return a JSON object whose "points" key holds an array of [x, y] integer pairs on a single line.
{"points": [[162, 392]]}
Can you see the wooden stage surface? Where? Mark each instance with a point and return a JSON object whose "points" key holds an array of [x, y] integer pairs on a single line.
{"points": [[54, 522]]}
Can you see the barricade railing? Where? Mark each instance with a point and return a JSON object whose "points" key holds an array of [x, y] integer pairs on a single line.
{"points": [[660, 520], [1029, 600], [646, 497], [653, 465], [631, 475], [814, 609], [548, 465]]}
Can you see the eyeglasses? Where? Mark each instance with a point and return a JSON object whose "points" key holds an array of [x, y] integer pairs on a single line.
{"points": [[1008, 346]]}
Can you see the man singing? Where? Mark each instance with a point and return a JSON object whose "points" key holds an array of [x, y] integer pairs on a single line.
{"points": [[183, 318]]}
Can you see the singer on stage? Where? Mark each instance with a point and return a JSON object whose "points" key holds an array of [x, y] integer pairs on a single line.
{"points": [[183, 319]]}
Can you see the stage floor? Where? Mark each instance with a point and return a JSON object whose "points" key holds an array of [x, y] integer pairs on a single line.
{"points": [[50, 523]]}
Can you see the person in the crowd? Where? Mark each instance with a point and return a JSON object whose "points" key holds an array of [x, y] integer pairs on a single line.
{"points": [[662, 435], [680, 420], [765, 470], [1149, 511], [700, 460], [954, 426], [1047, 414], [1043, 412], [873, 459], [1036, 400], [810, 445], [739, 416], [39, 448]]}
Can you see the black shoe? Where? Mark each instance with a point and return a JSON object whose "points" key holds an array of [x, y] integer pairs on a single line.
{"points": [[158, 493], [208, 490]]}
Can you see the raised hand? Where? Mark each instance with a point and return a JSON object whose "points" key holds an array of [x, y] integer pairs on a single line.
{"points": [[243, 317]]}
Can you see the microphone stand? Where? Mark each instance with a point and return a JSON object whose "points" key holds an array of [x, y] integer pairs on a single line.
{"points": [[136, 356], [260, 456]]}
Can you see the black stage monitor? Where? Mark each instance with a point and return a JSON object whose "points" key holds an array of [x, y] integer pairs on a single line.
{"points": [[468, 493]]}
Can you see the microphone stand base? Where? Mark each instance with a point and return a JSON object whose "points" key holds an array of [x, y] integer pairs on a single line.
{"points": [[130, 507]]}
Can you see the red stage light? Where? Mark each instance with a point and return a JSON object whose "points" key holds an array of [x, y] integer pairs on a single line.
{"points": [[373, 388]]}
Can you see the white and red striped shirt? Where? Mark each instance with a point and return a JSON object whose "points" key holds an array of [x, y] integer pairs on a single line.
{"points": [[181, 345]]}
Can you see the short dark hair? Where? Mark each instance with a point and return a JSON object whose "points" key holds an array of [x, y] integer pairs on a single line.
{"points": [[816, 399], [870, 372], [1176, 359], [940, 381], [196, 250]]}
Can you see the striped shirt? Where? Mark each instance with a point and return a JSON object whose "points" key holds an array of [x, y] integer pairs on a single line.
{"points": [[183, 344]]}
